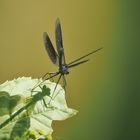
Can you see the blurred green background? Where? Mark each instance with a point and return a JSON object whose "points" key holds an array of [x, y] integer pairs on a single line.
{"points": [[105, 91]]}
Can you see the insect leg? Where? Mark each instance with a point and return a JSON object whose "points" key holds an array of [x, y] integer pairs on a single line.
{"points": [[49, 74], [64, 82], [55, 88], [64, 85], [54, 74]]}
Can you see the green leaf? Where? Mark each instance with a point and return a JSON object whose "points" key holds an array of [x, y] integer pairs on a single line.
{"points": [[8, 103], [35, 108], [28, 107], [20, 129]]}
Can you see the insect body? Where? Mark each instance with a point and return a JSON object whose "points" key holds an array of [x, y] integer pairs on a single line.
{"points": [[58, 58]]}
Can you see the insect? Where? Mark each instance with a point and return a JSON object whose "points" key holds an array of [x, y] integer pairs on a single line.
{"points": [[58, 58]]}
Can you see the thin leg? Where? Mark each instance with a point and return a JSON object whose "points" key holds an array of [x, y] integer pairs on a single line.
{"points": [[48, 74], [55, 88], [40, 92], [64, 82], [44, 102], [64, 85], [43, 98], [54, 74]]}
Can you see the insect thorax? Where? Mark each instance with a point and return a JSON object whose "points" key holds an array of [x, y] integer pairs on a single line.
{"points": [[64, 69]]}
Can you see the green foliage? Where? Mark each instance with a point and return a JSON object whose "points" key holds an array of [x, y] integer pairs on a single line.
{"points": [[8, 103], [26, 117], [20, 127]]}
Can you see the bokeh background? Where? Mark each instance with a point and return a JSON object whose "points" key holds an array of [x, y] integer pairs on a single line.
{"points": [[105, 91]]}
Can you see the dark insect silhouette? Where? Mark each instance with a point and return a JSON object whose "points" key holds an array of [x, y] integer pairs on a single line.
{"points": [[58, 58]]}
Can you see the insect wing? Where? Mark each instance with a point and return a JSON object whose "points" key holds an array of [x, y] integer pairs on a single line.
{"points": [[58, 33], [59, 42], [50, 49]]}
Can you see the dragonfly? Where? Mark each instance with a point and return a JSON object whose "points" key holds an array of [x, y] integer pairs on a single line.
{"points": [[58, 57]]}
